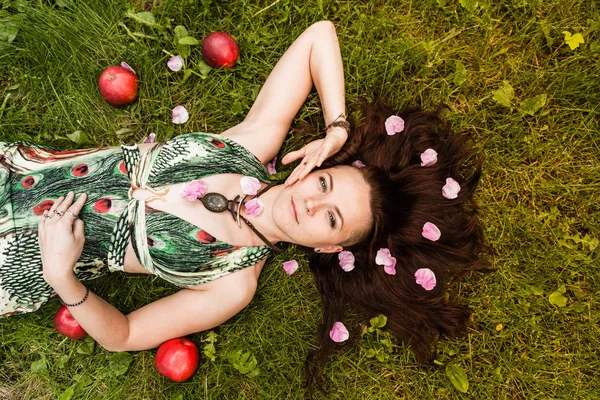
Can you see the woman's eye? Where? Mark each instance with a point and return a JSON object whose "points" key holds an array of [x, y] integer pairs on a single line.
{"points": [[331, 220], [323, 184]]}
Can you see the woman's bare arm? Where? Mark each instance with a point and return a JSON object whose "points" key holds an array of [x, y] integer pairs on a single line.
{"points": [[313, 58]]}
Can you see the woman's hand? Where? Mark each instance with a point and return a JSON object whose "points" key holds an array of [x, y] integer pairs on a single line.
{"points": [[61, 238], [314, 153]]}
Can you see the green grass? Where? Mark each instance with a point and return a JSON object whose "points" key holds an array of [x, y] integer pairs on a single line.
{"points": [[538, 194]]}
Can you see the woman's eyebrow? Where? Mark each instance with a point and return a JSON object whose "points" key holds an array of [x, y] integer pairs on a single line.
{"points": [[337, 210]]}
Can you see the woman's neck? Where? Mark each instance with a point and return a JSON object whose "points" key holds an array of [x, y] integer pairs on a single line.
{"points": [[264, 222]]}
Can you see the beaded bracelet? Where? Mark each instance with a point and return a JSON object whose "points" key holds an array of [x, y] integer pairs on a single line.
{"points": [[80, 302], [341, 124]]}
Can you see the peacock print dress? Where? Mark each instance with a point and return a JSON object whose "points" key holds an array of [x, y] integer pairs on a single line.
{"points": [[32, 177]]}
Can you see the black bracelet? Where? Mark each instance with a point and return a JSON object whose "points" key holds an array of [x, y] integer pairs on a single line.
{"points": [[340, 124], [80, 302]]}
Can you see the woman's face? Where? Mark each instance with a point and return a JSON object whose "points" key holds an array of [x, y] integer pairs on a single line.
{"points": [[325, 208]]}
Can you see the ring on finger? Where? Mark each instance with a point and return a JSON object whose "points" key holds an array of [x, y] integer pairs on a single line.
{"points": [[59, 213], [71, 214]]}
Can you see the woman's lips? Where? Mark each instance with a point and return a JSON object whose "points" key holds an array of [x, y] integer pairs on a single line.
{"points": [[293, 210]]}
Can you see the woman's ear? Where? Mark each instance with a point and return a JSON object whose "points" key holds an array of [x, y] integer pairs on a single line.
{"points": [[329, 249]]}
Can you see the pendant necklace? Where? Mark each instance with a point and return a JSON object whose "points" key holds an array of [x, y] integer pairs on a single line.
{"points": [[217, 203]]}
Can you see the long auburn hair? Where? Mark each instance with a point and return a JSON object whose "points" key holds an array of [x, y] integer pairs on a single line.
{"points": [[404, 195]]}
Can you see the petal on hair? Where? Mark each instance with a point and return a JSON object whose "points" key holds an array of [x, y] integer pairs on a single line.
{"points": [[175, 63], [390, 269], [290, 266], [431, 232], [383, 257], [358, 164], [428, 157], [271, 166], [194, 189], [180, 115], [394, 124], [249, 185], [426, 278], [338, 332], [450, 189], [254, 207], [127, 67], [346, 259]]}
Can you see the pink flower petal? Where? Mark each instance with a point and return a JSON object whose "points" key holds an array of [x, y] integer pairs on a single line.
{"points": [[290, 266], [180, 115], [250, 185], [127, 67], [390, 269], [450, 189], [426, 278], [394, 124], [358, 164], [384, 257], [346, 260], [271, 166], [431, 232], [338, 332], [428, 157], [151, 138], [175, 63], [254, 207], [194, 189]]}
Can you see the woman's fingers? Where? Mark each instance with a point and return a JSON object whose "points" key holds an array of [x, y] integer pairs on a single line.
{"points": [[78, 205], [293, 156]]}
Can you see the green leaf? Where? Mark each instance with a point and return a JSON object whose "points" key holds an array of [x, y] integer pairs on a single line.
{"points": [[39, 366], [189, 40], [532, 105], [280, 176], [206, 4], [210, 351], [75, 136], [381, 356], [558, 299], [460, 73], [119, 362], [62, 361], [9, 27], [204, 69], [67, 394], [573, 40], [62, 4], [236, 108], [458, 377], [370, 353], [144, 17], [180, 32], [546, 29], [504, 95], [469, 5], [379, 321], [244, 362], [87, 346]]}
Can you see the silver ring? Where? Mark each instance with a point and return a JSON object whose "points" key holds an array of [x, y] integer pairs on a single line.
{"points": [[59, 213], [47, 216], [71, 213]]}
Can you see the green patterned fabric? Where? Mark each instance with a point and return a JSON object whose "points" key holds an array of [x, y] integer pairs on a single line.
{"points": [[32, 177]]}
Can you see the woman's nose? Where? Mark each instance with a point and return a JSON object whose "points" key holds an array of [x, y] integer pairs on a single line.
{"points": [[313, 204]]}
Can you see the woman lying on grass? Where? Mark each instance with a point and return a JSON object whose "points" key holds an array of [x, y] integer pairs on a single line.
{"points": [[199, 211]]}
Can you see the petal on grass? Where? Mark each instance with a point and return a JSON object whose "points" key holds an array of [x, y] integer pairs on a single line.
{"points": [[180, 115], [127, 67], [151, 138], [290, 266], [271, 166], [175, 63]]}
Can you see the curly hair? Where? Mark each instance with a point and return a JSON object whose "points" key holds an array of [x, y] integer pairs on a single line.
{"points": [[404, 195]]}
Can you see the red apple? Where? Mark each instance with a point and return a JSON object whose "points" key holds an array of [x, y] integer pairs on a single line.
{"points": [[220, 50], [177, 359], [118, 85], [66, 325]]}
